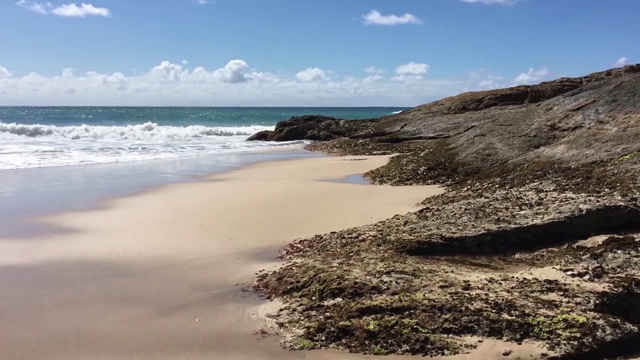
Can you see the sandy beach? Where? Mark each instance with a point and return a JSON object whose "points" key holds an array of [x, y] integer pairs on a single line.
{"points": [[160, 275]]}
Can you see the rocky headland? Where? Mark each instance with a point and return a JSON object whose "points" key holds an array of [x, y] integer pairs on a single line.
{"points": [[535, 241]]}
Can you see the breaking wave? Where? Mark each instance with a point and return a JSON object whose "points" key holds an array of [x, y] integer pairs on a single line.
{"points": [[144, 131], [29, 146]]}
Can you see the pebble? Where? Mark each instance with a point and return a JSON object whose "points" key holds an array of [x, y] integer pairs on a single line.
{"points": [[506, 352]]}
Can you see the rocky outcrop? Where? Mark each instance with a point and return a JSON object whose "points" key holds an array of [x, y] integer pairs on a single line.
{"points": [[537, 239], [594, 118], [311, 127], [525, 94], [582, 119]]}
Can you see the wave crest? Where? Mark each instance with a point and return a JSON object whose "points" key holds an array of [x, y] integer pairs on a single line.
{"points": [[146, 131]]}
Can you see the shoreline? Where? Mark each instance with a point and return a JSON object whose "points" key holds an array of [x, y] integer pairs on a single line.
{"points": [[155, 274], [86, 187]]}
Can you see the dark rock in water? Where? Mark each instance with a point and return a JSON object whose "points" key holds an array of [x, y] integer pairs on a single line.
{"points": [[264, 135], [311, 127]]}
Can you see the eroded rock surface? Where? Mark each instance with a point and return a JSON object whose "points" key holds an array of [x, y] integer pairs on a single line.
{"points": [[537, 239]]}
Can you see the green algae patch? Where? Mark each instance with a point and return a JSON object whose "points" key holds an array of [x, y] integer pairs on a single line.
{"points": [[626, 157], [564, 327], [303, 344]]}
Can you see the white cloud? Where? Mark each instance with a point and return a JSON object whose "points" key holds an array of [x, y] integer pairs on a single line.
{"points": [[168, 71], [490, 2], [116, 80], [373, 70], [407, 78], [205, 2], [412, 68], [621, 62], [372, 78], [84, 10], [184, 62], [374, 17], [40, 8], [67, 10], [262, 77], [235, 84], [67, 72], [532, 76], [311, 74], [4, 72], [491, 82], [33, 78], [233, 72]]}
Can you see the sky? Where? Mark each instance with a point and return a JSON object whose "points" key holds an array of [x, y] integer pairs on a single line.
{"points": [[300, 52]]}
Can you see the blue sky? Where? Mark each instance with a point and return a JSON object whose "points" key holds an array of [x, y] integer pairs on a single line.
{"points": [[300, 52]]}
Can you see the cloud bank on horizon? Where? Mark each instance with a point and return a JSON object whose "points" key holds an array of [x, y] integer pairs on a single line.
{"points": [[400, 54], [237, 83]]}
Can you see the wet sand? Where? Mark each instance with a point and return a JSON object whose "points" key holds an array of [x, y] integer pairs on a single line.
{"points": [[156, 275]]}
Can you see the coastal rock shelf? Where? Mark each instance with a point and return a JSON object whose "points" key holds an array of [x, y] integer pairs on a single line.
{"points": [[536, 241]]}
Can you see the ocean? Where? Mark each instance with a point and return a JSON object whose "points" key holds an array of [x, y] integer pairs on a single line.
{"points": [[33, 137], [60, 159]]}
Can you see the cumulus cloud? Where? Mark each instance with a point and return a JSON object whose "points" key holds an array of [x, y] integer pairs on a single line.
{"points": [[233, 72], [311, 74], [4, 72], [168, 71], [67, 10], [532, 76], [67, 72], [84, 10], [490, 2], [412, 68], [374, 17], [621, 62], [32, 78], [373, 70]]}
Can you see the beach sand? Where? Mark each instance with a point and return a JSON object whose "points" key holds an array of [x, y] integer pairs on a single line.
{"points": [[160, 275]]}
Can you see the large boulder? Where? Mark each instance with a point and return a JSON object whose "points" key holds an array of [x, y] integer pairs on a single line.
{"points": [[311, 127]]}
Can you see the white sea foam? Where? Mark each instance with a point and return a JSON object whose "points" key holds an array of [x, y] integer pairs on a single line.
{"points": [[144, 131], [27, 146]]}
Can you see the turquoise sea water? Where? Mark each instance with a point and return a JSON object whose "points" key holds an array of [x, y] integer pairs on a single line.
{"points": [[178, 116], [62, 136]]}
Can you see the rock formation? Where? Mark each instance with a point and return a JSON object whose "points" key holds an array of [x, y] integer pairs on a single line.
{"points": [[536, 241], [310, 127]]}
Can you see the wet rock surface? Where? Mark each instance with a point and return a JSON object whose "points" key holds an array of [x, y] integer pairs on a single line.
{"points": [[536, 240]]}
